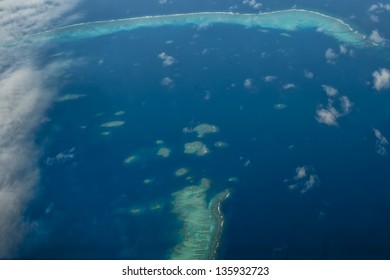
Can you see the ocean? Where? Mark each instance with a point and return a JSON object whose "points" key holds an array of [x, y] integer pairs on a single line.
{"points": [[90, 204]]}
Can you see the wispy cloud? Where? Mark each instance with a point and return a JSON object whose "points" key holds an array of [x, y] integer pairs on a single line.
{"points": [[330, 91], [288, 86], [381, 79], [252, 3], [248, 83], [305, 179], [61, 157], [167, 59], [377, 38], [346, 105], [377, 9], [343, 49], [308, 74], [330, 56], [269, 79], [20, 17], [25, 94], [168, 82], [337, 107], [327, 116], [381, 143], [24, 97]]}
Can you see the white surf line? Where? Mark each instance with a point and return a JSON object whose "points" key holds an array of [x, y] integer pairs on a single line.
{"points": [[322, 21]]}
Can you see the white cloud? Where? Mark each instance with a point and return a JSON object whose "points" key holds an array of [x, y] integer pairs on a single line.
{"points": [[346, 105], [264, 55], [376, 9], [248, 83], [308, 74], [300, 172], [253, 4], [288, 86], [304, 180], [310, 183], [374, 18], [61, 157], [167, 60], [329, 114], [373, 8], [330, 91], [381, 143], [330, 55], [343, 49], [269, 79], [377, 38], [20, 17], [381, 79], [24, 95], [167, 82], [385, 7]]}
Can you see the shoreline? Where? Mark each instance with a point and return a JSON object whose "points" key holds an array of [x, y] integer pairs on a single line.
{"points": [[289, 20], [215, 207]]}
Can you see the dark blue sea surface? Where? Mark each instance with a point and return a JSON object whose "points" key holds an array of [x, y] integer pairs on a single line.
{"points": [[82, 210]]}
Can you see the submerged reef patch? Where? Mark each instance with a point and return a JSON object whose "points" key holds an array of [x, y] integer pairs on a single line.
{"points": [[112, 124], [70, 97], [181, 172], [280, 106], [196, 147], [221, 144], [202, 222], [202, 129], [164, 152], [287, 20]]}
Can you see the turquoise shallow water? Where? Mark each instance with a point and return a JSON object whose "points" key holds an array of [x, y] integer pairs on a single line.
{"points": [[289, 20], [92, 206]]}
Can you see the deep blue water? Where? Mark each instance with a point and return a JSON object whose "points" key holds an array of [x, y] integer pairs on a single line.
{"points": [[344, 217]]}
